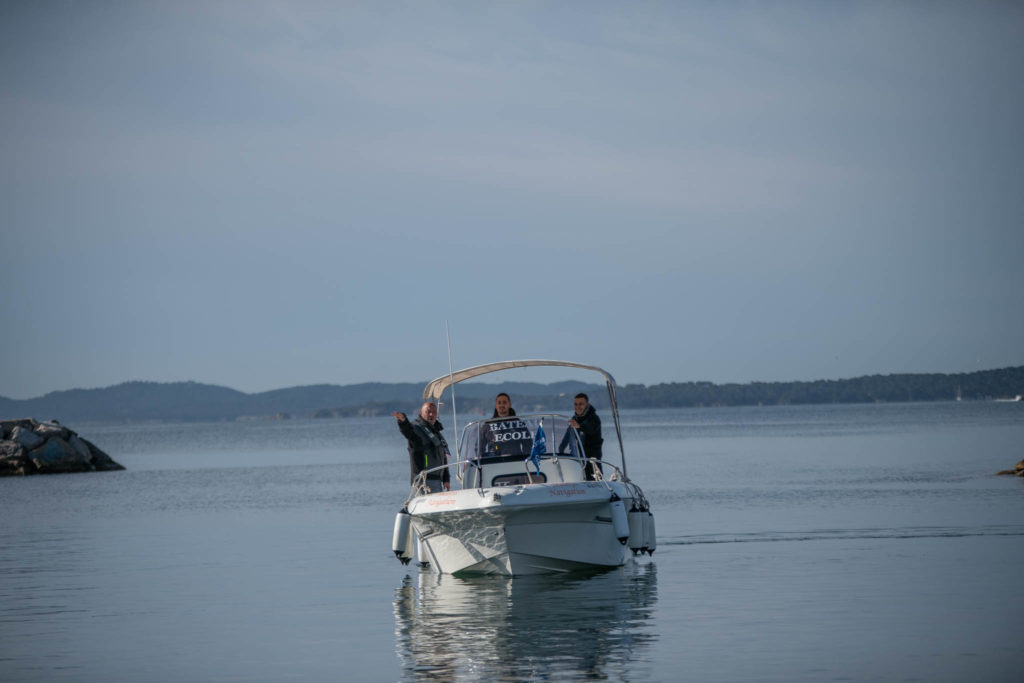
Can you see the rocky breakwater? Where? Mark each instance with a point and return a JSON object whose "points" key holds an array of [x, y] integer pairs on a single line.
{"points": [[31, 447], [1017, 470]]}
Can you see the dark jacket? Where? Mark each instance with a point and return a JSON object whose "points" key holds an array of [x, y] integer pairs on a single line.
{"points": [[427, 447], [590, 432]]}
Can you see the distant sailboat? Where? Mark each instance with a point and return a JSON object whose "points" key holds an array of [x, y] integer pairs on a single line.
{"points": [[959, 396]]}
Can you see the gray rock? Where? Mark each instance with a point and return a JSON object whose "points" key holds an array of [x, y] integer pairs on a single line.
{"points": [[9, 449], [33, 447], [52, 428], [1018, 470], [14, 459], [8, 425], [56, 455], [26, 437], [80, 447], [100, 460]]}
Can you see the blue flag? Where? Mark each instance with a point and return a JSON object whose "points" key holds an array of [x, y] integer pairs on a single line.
{"points": [[540, 446]]}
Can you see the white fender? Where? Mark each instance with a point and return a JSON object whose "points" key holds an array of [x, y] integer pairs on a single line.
{"points": [[620, 522], [401, 541], [636, 528], [646, 523], [652, 541]]}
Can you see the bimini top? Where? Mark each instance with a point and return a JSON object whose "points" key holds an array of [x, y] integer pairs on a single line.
{"points": [[434, 389]]}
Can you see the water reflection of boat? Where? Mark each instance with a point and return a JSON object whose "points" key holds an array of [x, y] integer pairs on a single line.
{"points": [[525, 628], [532, 515]]}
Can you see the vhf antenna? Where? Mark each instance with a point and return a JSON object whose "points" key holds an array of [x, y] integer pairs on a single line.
{"points": [[451, 379]]}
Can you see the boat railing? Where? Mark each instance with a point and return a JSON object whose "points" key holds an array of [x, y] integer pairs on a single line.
{"points": [[599, 468]]}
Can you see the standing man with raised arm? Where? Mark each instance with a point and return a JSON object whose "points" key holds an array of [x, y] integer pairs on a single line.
{"points": [[427, 448]]}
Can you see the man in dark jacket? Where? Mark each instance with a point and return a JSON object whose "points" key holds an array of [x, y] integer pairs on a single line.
{"points": [[427, 448], [504, 433], [588, 425]]}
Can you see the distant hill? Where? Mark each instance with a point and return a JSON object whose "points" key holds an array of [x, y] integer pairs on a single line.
{"points": [[192, 401], [133, 401], [971, 386]]}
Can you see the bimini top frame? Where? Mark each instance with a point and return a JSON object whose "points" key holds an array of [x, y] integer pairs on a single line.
{"points": [[435, 389]]}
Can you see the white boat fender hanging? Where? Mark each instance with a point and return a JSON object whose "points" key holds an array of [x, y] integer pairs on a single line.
{"points": [[401, 542], [636, 528], [620, 521], [652, 542], [646, 524]]}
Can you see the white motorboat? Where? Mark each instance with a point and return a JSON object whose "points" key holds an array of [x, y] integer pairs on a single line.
{"points": [[525, 505]]}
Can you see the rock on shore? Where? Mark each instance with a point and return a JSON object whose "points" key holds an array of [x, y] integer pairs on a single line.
{"points": [[31, 447], [1018, 470]]}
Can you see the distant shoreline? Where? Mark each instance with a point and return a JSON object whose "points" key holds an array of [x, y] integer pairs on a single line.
{"points": [[195, 402]]}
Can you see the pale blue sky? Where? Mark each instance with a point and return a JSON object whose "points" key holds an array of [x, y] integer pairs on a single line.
{"points": [[263, 195]]}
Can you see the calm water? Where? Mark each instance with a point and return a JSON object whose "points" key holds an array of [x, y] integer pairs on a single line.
{"points": [[804, 543]]}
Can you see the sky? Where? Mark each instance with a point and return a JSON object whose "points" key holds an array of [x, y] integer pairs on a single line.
{"points": [[263, 195]]}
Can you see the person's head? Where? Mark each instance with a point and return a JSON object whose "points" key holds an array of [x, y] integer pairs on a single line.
{"points": [[428, 411], [580, 403], [502, 405]]}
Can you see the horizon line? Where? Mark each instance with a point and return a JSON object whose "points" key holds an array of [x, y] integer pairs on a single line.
{"points": [[326, 384]]}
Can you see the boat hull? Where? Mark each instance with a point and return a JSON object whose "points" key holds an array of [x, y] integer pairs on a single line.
{"points": [[530, 529]]}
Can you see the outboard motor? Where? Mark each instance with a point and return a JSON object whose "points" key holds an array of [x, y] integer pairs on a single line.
{"points": [[401, 541]]}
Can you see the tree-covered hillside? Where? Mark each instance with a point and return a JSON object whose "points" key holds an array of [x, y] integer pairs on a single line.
{"points": [[192, 401]]}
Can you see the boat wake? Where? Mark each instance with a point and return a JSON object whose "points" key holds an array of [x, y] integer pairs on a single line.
{"points": [[846, 534]]}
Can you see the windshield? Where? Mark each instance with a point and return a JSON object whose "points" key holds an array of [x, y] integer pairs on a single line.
{"points": [[521, 436]]}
